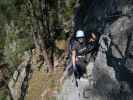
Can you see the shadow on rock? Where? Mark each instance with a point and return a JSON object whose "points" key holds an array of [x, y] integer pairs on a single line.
{"points": [[123, 75]]}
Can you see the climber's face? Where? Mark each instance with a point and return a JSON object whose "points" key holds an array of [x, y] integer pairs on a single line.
{"points": [[81, 40]]}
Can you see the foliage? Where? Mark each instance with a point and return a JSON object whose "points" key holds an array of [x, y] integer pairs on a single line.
{"points": [[3, 98], [17, 25], [15, 46], [69, 8]]}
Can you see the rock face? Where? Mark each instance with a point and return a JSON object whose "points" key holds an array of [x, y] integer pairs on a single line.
{"points": [[110, 76], [18, 84], [95, 15]]}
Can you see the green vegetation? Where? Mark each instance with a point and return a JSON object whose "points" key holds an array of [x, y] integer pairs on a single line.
{"points": [[3, 98], [69, 9], [23, 21], [17, 21], [14, 46]]}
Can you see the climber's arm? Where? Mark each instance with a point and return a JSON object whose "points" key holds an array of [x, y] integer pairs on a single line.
{"points": [[74, 57], [93, 37]]}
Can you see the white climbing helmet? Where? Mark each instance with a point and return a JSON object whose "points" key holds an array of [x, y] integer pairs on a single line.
{"points": [[80, 34]]}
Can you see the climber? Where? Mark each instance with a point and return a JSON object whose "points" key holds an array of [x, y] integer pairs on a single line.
{"points": [[83, 44], [80, 46]]}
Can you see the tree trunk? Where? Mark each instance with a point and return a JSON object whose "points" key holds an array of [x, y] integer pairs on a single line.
{"points": [[42, 32], [45, 54]]}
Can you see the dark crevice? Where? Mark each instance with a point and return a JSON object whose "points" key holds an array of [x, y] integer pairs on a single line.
{"points": [[24, 86]]}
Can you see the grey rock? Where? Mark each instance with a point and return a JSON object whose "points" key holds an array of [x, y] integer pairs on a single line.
{"points": [[129, 55], [105, 80], [110, 76]]}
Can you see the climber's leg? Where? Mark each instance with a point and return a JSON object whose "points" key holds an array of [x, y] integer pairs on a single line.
{"points": [[67, 72]]}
